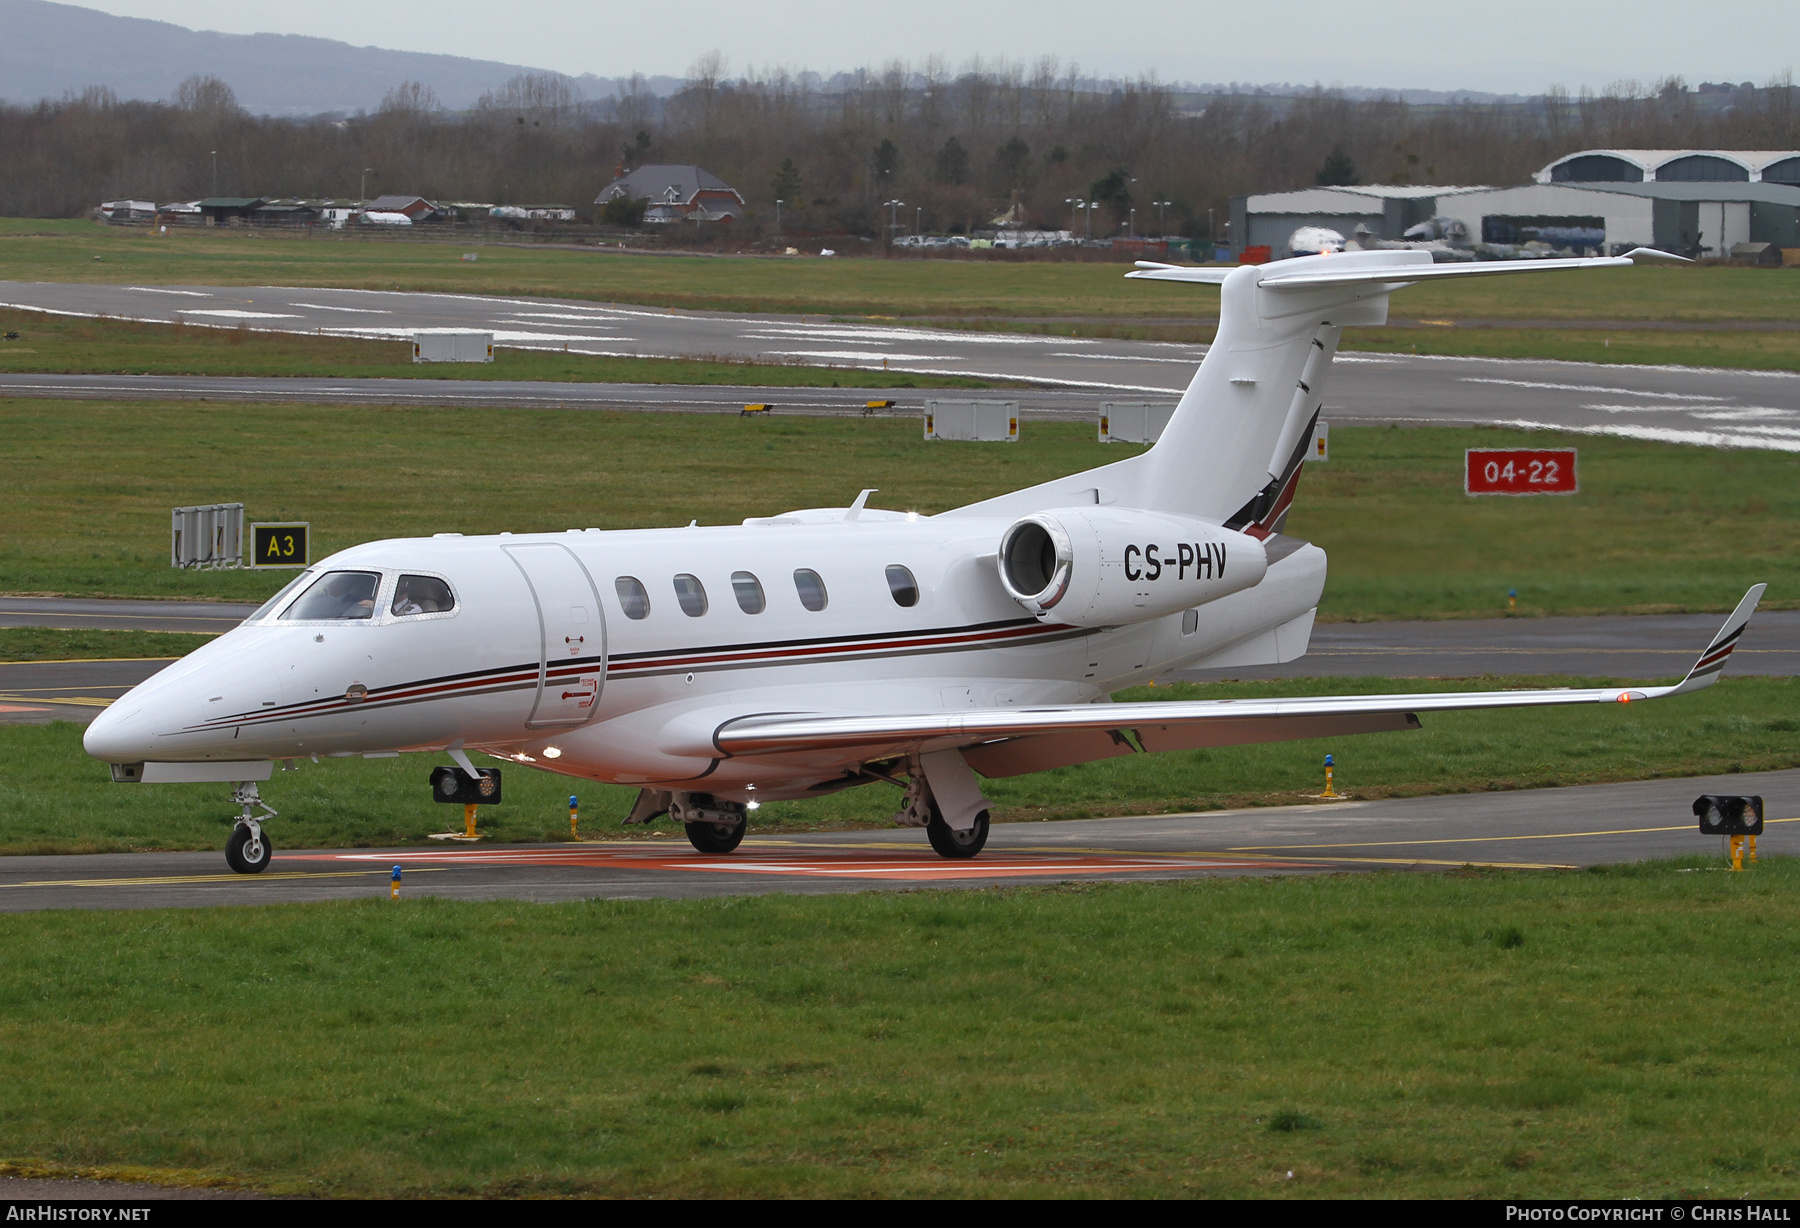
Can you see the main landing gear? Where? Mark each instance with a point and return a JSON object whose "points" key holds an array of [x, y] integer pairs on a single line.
{"points": [[948, 842], [248, 850], [920, 809]]}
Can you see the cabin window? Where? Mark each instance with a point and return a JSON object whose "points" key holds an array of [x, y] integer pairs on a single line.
{"points": [[422, 595], [337, 595], [902, 585], [691, 594], [1190, 621], [633, 598], [749, 592], [811, 589]]}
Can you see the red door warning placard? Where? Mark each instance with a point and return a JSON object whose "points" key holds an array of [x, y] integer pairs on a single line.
{"points": [[1520, 471]]}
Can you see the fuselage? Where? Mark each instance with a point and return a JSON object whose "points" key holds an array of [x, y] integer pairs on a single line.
{"points": [[610, 655]]}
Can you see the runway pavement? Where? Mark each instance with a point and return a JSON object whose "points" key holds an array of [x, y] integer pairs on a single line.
{"points": [[1681, 405], [1648, 646], [1535, 829]]}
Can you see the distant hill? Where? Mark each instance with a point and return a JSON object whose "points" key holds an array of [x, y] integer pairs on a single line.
{"points": [[48, 49]]}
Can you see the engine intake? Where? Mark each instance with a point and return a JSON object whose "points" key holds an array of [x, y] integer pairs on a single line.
{"points": [[1094, 567]]}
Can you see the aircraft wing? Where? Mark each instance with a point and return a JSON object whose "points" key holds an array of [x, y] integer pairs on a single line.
{"points": [[1308, 274], [1178, 724]]}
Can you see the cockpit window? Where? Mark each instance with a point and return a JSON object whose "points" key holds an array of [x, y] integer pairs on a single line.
{"points": [[422, 595], [337, 595], [287, 590]]}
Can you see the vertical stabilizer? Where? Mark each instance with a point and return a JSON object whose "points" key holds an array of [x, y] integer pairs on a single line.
{"points": [[1233, 449]]}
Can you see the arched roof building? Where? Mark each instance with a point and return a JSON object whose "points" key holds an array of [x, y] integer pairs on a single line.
{"points": [[1674, 166]]}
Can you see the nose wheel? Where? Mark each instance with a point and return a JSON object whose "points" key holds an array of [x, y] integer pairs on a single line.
{"points": [[248, 851], [716, 837]]}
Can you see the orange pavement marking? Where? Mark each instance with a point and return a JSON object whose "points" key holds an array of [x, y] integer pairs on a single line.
{"points": [[816, 863]]}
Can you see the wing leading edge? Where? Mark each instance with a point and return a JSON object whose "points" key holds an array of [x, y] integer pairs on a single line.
{"points": [[1178, 724]]}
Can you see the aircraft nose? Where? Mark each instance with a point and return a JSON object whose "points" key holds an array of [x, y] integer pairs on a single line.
{"points": [[120, 734]]}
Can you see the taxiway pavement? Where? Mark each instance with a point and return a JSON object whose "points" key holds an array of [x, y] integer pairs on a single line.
{"points": [[1640, 647], [1730, 408], [1531, 829]]}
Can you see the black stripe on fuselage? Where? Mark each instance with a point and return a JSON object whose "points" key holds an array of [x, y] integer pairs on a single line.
{"points": [[668, 661]]}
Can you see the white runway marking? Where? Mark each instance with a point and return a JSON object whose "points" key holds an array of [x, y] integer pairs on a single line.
{"points": [[361, 311], [1591, 389], [234, 313]]}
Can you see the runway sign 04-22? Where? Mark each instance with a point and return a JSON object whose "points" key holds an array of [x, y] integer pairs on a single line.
{"points": [[1519, 471]]}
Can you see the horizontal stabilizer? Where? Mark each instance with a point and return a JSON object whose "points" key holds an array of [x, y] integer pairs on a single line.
{"points": [[1307, 273], [1205, 275]]}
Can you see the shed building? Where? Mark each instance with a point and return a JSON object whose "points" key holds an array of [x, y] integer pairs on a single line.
{"points": [[416, 208], [228, 210]]}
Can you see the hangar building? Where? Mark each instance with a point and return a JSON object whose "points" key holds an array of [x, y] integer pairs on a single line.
{"points": [[1386, 209], [1685, 200]]}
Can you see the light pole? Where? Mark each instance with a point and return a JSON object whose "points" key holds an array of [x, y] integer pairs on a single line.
{"points": [[778, 203], [215, 158], [1087, 207], [893, 207], [919, 220], [1131, 224], [1161, 228], [362, 188]]}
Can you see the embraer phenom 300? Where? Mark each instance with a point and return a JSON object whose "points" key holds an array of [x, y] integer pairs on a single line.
{"points": [[817, 650]]}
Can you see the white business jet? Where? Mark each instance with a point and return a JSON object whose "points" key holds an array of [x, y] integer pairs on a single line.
{"points": [[799, 654]]}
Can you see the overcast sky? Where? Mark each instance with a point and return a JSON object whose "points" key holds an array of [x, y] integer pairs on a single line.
{"points": [[1521, 47]]}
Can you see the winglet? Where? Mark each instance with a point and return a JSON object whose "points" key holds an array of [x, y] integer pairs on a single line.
{"points": [[1706, 669], [1652, 255]]}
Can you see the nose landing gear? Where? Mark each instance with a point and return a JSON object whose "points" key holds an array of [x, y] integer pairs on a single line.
{"points": [[248, 850], [713, 825]]}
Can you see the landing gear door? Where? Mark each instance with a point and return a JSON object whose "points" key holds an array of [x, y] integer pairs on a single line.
{"points": [[572, 635]]}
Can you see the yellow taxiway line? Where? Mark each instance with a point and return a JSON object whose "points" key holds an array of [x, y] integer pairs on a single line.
{"points": [[114, 660], [1555, 835], [182, 879]]}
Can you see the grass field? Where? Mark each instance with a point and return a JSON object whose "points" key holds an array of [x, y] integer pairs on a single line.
{"points": [[59, 800], [1655, 527], [32, 250], [64, 344], [1624, 1033]]}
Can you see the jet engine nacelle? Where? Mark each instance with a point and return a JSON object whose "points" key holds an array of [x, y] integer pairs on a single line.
{"points": [[1100, 567]]}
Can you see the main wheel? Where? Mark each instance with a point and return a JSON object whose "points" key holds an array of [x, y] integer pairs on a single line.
{"points": [[956, 844], [248, 854], [716, 837]]}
